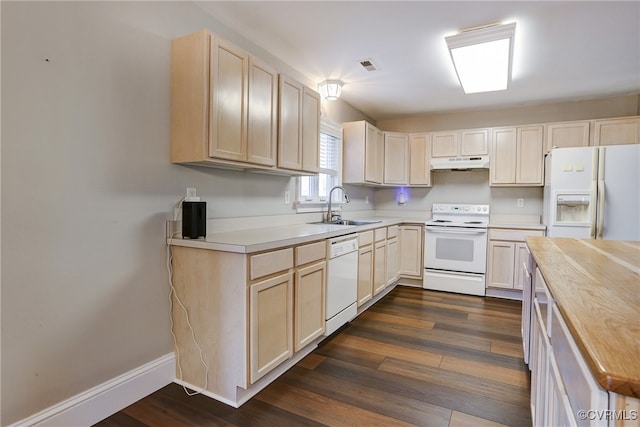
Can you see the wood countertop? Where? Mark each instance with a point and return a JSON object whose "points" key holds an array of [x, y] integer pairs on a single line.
{"points": [[596, 285]]}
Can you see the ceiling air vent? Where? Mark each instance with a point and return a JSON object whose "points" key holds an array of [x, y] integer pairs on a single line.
{"points": [[368, 65]]}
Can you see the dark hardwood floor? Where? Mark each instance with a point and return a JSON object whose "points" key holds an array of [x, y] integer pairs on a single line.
{"points": [[415, 358]]}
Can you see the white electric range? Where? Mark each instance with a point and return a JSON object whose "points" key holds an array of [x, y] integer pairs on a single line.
{"points": [[455, 248]]}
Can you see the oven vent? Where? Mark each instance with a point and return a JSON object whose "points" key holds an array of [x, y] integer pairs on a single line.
{"points": [[368, 65]]}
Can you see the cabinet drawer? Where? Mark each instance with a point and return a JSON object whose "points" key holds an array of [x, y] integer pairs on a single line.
{"points": [[311, 252], [270, 262], [514, 235], [583, 391], [392, 231], [380, 234], [365, 238]]}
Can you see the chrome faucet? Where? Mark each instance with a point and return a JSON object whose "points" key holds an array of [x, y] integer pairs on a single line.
{"points": [[346, 199]]}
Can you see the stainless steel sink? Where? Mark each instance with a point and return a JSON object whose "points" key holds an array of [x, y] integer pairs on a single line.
{"points": [[348, 222]]}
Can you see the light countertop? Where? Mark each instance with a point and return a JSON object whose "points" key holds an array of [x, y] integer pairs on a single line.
{"points": [[267, 238]]}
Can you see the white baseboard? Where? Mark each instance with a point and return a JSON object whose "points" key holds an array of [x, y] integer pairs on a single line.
{"points": [[98, 403]]}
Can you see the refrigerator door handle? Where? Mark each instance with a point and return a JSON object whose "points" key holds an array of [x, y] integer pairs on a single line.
{"points": [[594, 195], [594, 192], [600, 209]]}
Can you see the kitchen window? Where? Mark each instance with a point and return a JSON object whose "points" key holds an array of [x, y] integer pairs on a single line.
{"points": [[313, 191]]}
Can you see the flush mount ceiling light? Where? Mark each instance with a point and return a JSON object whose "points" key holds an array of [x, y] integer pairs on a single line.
{"points": [[330, 89], [482, 57]]}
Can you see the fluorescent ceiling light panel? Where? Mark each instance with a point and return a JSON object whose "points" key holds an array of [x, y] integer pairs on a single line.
{"points": [[482, 57]]}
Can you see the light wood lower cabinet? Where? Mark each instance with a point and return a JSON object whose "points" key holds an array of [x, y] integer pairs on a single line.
{"points": [[379, 260], [271, 324], [248, 313], [393, 260], [309, 294], [411, 247], [365, 272], [506, 255]]}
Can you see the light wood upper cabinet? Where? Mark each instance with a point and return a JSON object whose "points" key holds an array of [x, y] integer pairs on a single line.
{"points": [[298, 126], [444, 144], [310, 130], [420, 159], [516, 156], [474, 142], [396, 158], [374, 155], [363, 153], [262, 117], [290, 124], [567, 134], [624, 130], [468, 142], [229, 81], [529, 156], [222, 104]]}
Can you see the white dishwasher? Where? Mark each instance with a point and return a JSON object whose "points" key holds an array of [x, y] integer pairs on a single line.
{"points": [[342, 281]]}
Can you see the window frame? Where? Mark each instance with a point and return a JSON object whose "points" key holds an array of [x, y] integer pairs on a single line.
{"points": [[316, 203]]}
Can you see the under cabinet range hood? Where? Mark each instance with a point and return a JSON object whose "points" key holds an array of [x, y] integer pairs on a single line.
{"points": [[459, 163]]}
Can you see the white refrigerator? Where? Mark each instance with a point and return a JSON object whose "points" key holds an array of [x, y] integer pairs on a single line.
{"points": [[593, 192]]}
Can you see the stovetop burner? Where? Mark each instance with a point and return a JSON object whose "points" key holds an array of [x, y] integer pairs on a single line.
{"points": [[441, 220], [473, 222]]}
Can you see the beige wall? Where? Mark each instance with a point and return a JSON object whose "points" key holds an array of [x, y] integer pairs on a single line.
{"points": [[87, 187], [566, 111]]}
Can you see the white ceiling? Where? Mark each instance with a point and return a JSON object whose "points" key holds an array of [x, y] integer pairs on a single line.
{"points": [[564, 50]]}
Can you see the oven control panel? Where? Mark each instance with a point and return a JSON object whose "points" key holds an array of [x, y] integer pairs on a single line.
{"points": [[461, 209]]}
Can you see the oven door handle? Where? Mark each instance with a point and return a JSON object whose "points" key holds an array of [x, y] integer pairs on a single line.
{"points": [[454, 231]]}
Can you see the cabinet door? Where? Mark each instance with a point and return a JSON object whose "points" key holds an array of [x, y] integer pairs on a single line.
{"points": [[290, 124], [379, 266], [444, 144], [569, 134], [501, 264], [616, 131], [529, 157], [522, 256], [374, 154], [411, 246], [229, 94], [310, 130], [420, 159], [309, 303], [396, 158], [365, 274], [271, 324], [503, 156], [262, 116], [474, 142], [393, 261]]}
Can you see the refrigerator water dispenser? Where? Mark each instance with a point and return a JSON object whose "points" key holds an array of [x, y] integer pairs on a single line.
{"points": [[573, 209]]}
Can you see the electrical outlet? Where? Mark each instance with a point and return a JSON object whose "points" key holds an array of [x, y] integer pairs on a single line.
{"points": [[191, 191], [287, 197], [520, 203], [366, 200]]}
